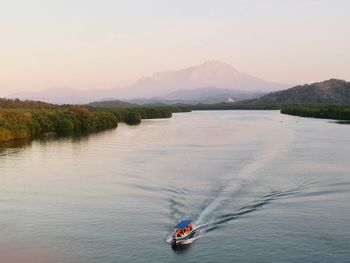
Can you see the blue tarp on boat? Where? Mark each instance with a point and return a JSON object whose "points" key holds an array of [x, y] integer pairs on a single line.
{"points": [[183, 224]]}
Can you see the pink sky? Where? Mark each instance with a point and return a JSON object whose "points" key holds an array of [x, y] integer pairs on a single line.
{"points": [[104, 44]]}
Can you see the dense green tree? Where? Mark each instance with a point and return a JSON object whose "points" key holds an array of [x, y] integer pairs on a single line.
{"points": [[133, 118], [25, 123], [318, 111], [28, 119]]}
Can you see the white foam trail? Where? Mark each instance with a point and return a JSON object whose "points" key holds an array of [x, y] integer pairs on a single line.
{"points": [[190, 240], [249, 172], [185, 242]]}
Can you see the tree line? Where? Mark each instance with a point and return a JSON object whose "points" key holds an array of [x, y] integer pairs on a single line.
{"points": [[26, 123], [24, 104], [30, 119], [134, 115], [318, 111]]}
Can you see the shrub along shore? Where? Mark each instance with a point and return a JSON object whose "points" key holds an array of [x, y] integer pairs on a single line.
{"points": [[27, 119], [31, 119], [318, 111], [31, 123]]}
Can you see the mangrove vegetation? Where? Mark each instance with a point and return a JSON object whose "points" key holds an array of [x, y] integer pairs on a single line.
{"points": [[30, 123], [318, 111], [30, 119]]}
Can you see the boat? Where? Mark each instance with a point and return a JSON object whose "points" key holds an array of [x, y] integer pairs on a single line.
{"points": [[182, 232]]}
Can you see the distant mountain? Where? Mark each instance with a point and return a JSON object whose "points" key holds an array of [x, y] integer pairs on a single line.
{"points": [[67, 95], [331, 91], [207, 95], [209, 74], [214, 74]]}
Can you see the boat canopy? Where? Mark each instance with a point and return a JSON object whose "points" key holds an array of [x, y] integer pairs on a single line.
{"points": [[183, 224]]}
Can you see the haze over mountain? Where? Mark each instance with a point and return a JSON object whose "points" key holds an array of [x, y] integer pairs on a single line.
{"points": [[209, 74], [333, 91], [67, 95], [208, 95], [213, 74]]}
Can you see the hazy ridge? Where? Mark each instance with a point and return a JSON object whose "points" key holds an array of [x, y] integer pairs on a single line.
{"points": [[333, 91], [221, 78]]}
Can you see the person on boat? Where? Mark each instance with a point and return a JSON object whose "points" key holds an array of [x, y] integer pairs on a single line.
{"points": [[178, 233], [184, 232]]}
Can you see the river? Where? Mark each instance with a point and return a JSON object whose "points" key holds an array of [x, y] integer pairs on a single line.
{"points": [[262, 187]]}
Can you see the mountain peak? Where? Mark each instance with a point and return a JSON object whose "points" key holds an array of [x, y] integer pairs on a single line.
{"points": [[217, 65]]}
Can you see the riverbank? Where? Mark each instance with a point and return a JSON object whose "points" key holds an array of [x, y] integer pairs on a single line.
{"points": [[20, 123], [318, 111], [29, 119], [335, 112]]}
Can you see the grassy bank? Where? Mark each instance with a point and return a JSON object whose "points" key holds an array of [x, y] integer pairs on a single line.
{"points": [[318, 111]]}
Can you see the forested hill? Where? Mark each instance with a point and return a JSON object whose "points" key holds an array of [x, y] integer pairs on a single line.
{"points": [[24, 104], [331, 91]]}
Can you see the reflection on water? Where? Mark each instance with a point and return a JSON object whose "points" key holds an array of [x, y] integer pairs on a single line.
{"points": [[248, 179], [342, 122], [12, 253], [11, 145]]}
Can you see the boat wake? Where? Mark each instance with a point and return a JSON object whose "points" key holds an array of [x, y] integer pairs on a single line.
{"points": [[184, 242], [249, 208], [253, 206], [232, 182]]}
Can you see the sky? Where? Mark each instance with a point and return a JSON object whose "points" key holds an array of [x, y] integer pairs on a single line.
{"points": [[91, 44]]}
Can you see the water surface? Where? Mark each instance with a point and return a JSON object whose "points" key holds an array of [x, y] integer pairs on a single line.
{"points": [[262, 186]]}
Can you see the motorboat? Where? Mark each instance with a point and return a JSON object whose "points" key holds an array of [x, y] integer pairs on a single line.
{"points": [[182, 232]]}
